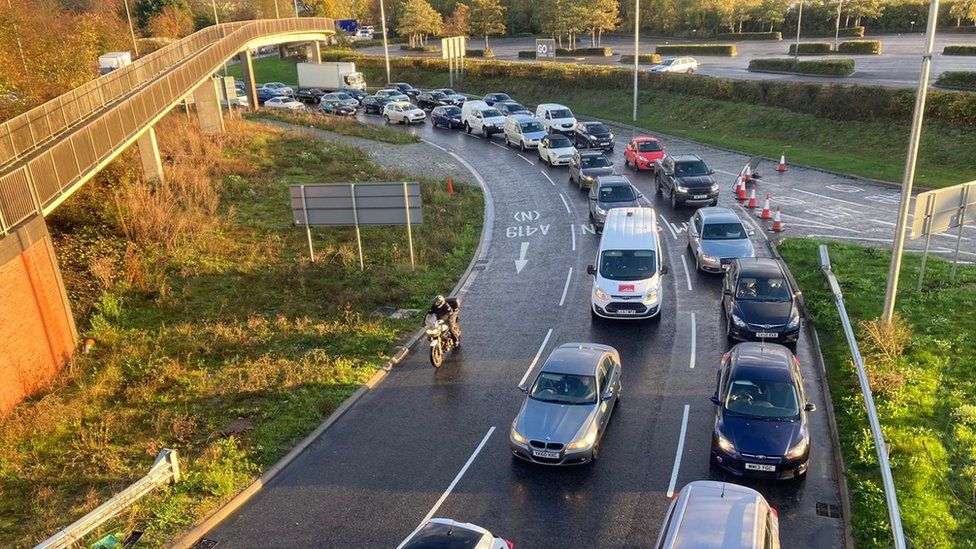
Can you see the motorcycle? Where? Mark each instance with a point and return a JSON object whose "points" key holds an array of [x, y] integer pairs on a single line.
{"points": [[442, 341]]}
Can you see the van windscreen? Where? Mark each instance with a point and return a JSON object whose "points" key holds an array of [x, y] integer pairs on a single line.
{"points": [[628, 264], [532, 126]]}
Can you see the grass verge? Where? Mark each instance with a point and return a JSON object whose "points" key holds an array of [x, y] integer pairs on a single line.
{"points": [[922, 376], [269, 69], [214, 333], [339, 125]]}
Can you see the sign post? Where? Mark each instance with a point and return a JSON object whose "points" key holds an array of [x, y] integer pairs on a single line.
{"points": [[406, 208], [939, 211], [545, 49], [308, 228], [355, 221], [453, 49]]}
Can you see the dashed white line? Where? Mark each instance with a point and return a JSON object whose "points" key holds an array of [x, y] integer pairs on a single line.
{"points": [[536, 359], [472, 135], [524, 158], [499, 145], [687, 274], [544, 174], [572, 229], [677, 454], [565, 203], [569, 277], [830, 198], [668, 225], [694, 341]]}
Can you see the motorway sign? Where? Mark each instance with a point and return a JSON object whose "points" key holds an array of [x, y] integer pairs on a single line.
{"points": [[943, 209], [545, 49]]}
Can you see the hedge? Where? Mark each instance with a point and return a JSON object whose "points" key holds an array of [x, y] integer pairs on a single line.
{"points": [[376, 42], [957, 79], [812, 48], [833, 101], [697, 49], [480, 53], [750, 36], [870, 47], [968, 49], [331, 55], [424, 49], [827, 67], [645, 58], [849, 32], [600, 52]]}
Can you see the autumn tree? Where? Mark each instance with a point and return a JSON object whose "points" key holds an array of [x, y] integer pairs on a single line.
{"points": [[418, 20], [171, 22], [864, 8], [963, 9], [459, 23], [487, 19], [145, 10]]}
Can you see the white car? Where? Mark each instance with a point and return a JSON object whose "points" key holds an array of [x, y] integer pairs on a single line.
{"points": [[556, 118], [441, 532], [485, 121], [678, 64], [403, 112], [283, 102], [278, 88], [556, 150]]}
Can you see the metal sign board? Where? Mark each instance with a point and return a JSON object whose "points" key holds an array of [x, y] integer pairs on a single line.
{"points": [[545, 49], [453, 47], [943, 209], [352, 204]]}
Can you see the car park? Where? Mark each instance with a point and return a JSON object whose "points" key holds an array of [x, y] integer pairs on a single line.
{"points": [[493, 98], [431, 99], [627, 274], [449, 117], [609, 192], [342, 98], [686, 179], [278, 88], [457, 97], [509, 108], [716, 237], [590, 135], [403, 112], [285, 103], [677, 65], [336, 107], [761, 428], [556, 150], [568, 405], [442, 533], [759, 302], [719, 515], [309, 96], [405, 89], [642, 152], [556, 118], [525, 131], [374, 104], [586, 166]]}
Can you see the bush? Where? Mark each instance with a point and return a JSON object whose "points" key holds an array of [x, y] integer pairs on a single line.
{"points": [[849, 32], [645, 58], [330, 55], [829, 67], [376, 42], [812, 48], [968, 49], [697, 49], [480, 53], [526, 54], [868, 47], [857, 32], [750, 36], [580, 52], [424, 49], [957, 79]]}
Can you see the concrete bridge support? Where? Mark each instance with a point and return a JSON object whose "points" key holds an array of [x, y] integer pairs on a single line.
{"points": [[314, 52], [207, 101], [247, 73], [152, 166]]}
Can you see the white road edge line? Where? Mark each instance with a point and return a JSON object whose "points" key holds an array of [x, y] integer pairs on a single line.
{"points": [[694, 341], [669, 226], [435, 145], [572, 229], [498, 145], [536, 359], [569, 277], [677, 454], [524, 158], [830, 198], [563, 198], [544, 174], [687, 273]]}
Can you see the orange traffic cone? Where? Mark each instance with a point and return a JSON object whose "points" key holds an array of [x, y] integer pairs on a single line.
{"points": [[766, 214], [740, 189], [752, 200], [777, 222], [782, 163], [450, 185]]}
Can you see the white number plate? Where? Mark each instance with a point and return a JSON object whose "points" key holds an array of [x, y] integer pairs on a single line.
{"points": [[627, 312], [767, 335], [541, 454], [699, 196], [760, 467]]}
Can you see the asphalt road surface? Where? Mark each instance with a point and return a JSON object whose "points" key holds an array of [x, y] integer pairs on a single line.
{"points": [[898, 66], [434, 443]]}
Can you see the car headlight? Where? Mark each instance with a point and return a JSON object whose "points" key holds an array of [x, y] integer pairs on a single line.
{"points": [[593, 137], [517, 437], [587, 441], [724, 443], [798, 450], [600, 294], [707, 257], [713, 188], [794, 320], [680, 190], [738, 322], [601, 211], [652, 296]]}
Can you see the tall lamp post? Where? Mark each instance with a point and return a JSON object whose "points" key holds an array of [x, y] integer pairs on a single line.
{"points": [[386, 46], [636, 51], [213, 3], [799, 21], [132, 31]]}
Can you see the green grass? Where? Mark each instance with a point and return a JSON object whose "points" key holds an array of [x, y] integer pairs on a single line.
{"points": [[341, 125], [925, 402], [269, 69], [229, 345]]}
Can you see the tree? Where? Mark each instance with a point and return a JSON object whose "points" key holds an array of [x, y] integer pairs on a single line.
{"points": [[487, 18], [419, 20], [963, 9], [771, 12], [144, 10], [459, 23], [864, 8], [606, 17], [172, 22]]}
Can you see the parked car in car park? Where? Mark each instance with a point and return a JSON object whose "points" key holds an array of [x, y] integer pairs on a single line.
{"points": [[759, 303], [686, 179], [568, 405], [355, 93], [405, 89], [556, 150], [403, 112], [586, 166], [627, 274], [336, 107], [642, 152], [493, 98], [609, 192], [508, 108], [284, 102], [716, 237], [719, 515], [589, 135], [431, 99], [445, 533], [679, 64], [393, 94], [309, 96], [556, 118], [457, 97], [449, 117], [373, 104], [278, 88], [342, 98]]}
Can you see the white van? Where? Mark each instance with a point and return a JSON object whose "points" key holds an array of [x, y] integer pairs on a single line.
{"points": [[629, 266], [467, 111], [556, 118], [524, 131], [708, 513]]}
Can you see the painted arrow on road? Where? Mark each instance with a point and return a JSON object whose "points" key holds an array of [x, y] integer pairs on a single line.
{"points": [[521, 261]]}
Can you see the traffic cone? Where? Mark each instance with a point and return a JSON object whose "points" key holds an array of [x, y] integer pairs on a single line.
{"points": [[752, 200], [777, 222], [766, 214], [782, 163], [450, 185], [740, 189]]}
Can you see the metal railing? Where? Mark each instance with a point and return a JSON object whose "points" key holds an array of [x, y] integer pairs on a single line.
{"points": [[894, 514], [165, 470], [58, 143]]}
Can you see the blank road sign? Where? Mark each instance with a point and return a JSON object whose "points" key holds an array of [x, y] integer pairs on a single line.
{"points": [[375, 204], [944, 209]]}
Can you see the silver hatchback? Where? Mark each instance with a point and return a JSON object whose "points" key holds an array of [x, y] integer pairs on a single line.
{"points": [[568, 405], [716, 237]]}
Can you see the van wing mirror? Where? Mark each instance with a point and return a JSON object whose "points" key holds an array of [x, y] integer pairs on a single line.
{"points": [[665, 269], [591, 270]]}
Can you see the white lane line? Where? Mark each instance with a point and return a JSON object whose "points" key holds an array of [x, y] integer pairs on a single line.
{"points": [[536, 359], [472, 135], [944, 235], [565, 203], [460, 474], [687, 274], [569, 277], [727, 173], [694, 341], [499, 145], [435, 145], [668, 225], [524, 158], [572, 229], [544, 174], [677, 455], [830, 198], [888, 223]]}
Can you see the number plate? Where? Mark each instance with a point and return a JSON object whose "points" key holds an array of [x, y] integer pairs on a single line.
{"points": [[541, 454], [767, 335], [760, 467], [626, 312], [699, 196]]}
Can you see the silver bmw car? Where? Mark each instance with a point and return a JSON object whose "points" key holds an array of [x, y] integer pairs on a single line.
{"points": [[568, 405], [716, 236]]}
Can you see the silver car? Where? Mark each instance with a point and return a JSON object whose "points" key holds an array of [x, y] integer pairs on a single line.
{"points": [[716, 236], [611, 191], [568, 405], [719, 515]]}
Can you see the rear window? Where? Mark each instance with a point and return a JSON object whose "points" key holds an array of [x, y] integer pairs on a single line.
{"points": [[559, 142], [648, 146]]}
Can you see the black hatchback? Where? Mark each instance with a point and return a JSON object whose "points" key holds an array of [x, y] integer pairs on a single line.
{"points": [[593, 135], [759, 302]]}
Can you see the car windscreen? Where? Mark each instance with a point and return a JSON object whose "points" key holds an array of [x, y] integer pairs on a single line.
{"points": [[762, 289], [513, 107], [559, 142], [628, 264], [648, 146], [437, 96], [500, 97], [595, 161], [489, 113], [560, 113], [668, 62], [691, 168], [451, 111], [564, 388], [762, 398], [533, 126], [617, 193], [597, 128], [448, 91], [723, 231], [343, 96]]}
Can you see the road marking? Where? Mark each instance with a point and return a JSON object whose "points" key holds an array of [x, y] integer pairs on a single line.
{"points": [[565, 203], [890, 224], [830, 198], [521, 261], [820, 224], [669, 226], [694, 340], [728, 173], [524, 158], [435, 145], [498, 145], [677, 454], [472, 135], [687, 274], [572, 229], [536, 359], [569, 276], [885, 240], [544, 174]]}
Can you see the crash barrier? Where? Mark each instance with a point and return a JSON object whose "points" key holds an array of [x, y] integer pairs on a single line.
{"points": [[61, 162], [165, 470]]}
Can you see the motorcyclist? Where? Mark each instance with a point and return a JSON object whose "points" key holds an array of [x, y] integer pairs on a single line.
{"points": [[442, 310]]}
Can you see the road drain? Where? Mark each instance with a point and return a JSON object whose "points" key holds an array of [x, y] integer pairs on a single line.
{"points": [[204, 543], [828, 510], [480, 265]]}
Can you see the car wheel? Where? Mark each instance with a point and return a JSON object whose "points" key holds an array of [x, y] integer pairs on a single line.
{"points": [[467, 127], [387, 117], [484, 132], [714, 203], [580, 181], [691, 71], [697, 262], [658, 188], [522, 145], [674, 199], [595, 453], [594, 318]]}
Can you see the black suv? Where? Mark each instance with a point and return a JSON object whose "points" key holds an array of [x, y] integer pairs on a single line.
{"points": [[586, 166], [590, 135], [310, 96], [686, 179], [405, 89], [759, 302], [431, 99]]}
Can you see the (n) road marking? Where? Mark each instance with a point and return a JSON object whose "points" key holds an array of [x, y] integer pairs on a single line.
{"points": [[687, 273], [563, 198], [677, 454], [544, 174], [536, 359], [572, 229], [569, 277], [669, 226], [694, 341], [524, 158]]}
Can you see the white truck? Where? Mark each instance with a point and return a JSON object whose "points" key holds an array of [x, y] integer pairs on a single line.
{"points": [[113, 60], [331, 76]]}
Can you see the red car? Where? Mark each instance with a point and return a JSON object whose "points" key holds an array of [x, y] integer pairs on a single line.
{"points": [[641, 153]]}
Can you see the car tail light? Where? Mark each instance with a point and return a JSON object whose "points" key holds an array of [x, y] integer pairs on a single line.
{"points": [[675, 496], [510, 544], [796, 361], [774, 512]]}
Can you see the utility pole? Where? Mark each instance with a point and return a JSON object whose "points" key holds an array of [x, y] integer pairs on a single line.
{"points": [[296, 8], [132, 32], [386, 46], [799, 21], [636, 51], [908, 180], [216, 19], [277, 14]]}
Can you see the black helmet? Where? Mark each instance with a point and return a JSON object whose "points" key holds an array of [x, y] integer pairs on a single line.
{"points": [[439, 300]]}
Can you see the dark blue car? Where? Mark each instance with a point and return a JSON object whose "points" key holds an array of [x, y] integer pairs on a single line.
{"points": [[761, 427], [448, 116]]}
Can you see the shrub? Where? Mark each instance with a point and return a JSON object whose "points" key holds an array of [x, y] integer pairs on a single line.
{"points": [[750, 36], [697, 49], [960, 49], [578, 52], [812, 48], [376, 42], [645, 58], [526, 54], [957, 79], [829, 67], [882, 345], [868, 47], [338, 54], [424, 49], [480, 53], [857, 32]]}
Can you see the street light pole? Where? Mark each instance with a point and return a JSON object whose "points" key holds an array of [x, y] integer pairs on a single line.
{"points": [[216, 19], [908, 180], [636, 51], [799, 21], [277, 14], [132, 32], [386, 46], [296, 8]]}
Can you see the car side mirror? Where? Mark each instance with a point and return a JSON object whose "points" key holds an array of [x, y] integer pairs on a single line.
{"points": [[798, 294], [714, 399], [726, 291], [810, 407], [607, 395], [711, 172], [591, 270], [665, 269], [750, 232]]}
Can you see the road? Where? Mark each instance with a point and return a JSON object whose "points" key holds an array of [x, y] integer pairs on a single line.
{"points": [[898, 66]]}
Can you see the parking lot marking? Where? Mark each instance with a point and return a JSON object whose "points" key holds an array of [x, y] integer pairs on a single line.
{"points": [[544, 174], [569, 277], [694, 341], [498, 145], [565, 203], [668, 225], [830, 198], [687, 274], [536, 359], [572, 229], [677, 454], [524, 158]]}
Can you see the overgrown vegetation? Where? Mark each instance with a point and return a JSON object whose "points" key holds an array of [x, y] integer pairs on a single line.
{"points": [[340, 125], [214, 334], [922, 375], [957, 79], [824, 67]]}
